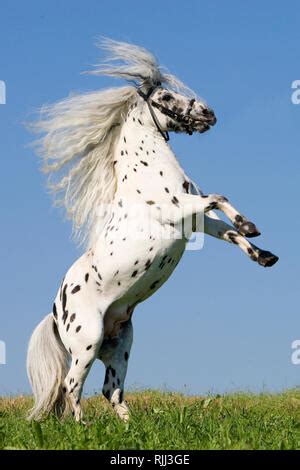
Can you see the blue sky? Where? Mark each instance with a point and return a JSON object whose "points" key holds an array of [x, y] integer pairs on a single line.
{"points": [[221, 322]]}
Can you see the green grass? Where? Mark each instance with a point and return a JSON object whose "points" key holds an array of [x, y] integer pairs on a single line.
{"points": [[162, 421]]}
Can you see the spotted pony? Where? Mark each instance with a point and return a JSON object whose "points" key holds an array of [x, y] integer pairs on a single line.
{"points": [[133, 207]]}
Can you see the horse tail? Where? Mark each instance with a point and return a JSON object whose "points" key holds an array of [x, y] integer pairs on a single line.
{"points": [[47, 367]]}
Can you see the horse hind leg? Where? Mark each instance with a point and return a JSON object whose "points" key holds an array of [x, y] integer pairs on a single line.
{"points": [[114, 353], [82, 335], [82, 360]]}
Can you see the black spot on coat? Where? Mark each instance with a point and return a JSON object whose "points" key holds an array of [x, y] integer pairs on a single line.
{"points": [[154, 284], [148, 264], [64, 297], [54, 311], [65, 316], [75, 289], [175, 201], [186, 186]]}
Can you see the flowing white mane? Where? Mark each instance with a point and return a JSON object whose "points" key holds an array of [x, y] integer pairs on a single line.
{"points": [[79, 133]]}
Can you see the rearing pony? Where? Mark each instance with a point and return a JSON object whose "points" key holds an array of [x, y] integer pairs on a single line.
{"points": [[135, 208]]}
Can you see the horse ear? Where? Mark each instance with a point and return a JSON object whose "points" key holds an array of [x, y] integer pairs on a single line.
{"points": [[147, 88], [143, 88], [145, 91]]}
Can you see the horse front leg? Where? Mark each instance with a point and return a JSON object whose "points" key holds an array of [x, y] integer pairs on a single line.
{"points": [[200, 204], [219, 229], [240, 222]]}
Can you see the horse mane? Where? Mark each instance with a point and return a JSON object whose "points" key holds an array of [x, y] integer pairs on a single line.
{"points": [[79, 134]]}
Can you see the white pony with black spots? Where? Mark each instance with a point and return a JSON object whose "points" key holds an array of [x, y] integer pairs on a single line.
{"points": [[133, 206]]}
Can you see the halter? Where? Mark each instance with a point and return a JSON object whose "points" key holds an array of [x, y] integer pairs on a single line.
{"points": [[184, 119]]}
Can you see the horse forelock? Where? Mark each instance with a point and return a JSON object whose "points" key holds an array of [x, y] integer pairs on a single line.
{"points": [[135, 64]]}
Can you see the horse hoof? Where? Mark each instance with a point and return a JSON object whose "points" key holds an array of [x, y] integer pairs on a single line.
{"points": [[122, 411], [267, 259], [248, 229]]}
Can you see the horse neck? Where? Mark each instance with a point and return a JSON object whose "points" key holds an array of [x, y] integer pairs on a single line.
{"points": [[142, 157]]}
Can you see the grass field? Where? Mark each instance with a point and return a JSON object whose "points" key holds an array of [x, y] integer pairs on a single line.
{"points": [[162, 421]]}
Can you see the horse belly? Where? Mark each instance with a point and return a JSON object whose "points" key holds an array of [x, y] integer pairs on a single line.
{"points": [[140, 281]]}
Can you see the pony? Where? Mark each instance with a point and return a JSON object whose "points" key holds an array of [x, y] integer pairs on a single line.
{"points": [[133, 207]]}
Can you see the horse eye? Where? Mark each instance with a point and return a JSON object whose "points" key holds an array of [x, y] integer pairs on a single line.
{"points": [[167, 97]]}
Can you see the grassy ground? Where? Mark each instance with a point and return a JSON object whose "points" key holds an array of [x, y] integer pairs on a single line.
{"points": [[162, 421]]}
